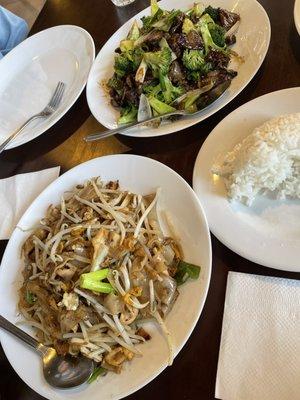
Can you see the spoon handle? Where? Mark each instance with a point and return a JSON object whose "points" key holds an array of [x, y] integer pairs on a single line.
{"points": [[11, 328]]}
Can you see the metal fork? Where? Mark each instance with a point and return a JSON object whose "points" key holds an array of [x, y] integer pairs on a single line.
{"points": [[215, 94], [50, 108], [111, 132]]}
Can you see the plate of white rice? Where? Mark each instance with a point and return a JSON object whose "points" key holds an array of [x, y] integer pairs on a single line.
{"points": [[247, 176]]}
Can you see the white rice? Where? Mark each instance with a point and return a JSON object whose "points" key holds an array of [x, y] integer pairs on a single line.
{"points": [[267, 160]]}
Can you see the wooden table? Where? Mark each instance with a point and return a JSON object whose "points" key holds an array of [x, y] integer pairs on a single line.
{"points": [[194, 371]]}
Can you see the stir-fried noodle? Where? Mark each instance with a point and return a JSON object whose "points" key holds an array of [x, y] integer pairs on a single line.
{"points": [[97, 266]]}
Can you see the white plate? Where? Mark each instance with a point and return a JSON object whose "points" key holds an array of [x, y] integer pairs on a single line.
{"points": [[141, 175], [31, 71], [268, 232], [297, 15], [253, 39]]}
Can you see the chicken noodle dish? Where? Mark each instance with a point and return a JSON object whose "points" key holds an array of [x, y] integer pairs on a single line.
{"points": [[173, 60], [96, 267]]}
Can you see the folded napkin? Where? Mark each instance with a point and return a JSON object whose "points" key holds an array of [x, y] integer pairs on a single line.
{"points": [[13, 30], [259, 355], [17, 193]]}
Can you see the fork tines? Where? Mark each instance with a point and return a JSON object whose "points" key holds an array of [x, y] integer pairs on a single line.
{"points": [[57, 95]]}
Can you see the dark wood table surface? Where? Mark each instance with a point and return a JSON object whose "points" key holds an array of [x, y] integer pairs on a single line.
{"points": [[194, 371]]}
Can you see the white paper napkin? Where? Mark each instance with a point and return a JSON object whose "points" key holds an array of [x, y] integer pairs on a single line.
{"points": [[259, 355], [17, 193]]}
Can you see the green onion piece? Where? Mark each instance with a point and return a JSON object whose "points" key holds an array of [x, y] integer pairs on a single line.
{"points": [[30, 297], [93, 281], [97, 372], [98, 275], [186, 270]]}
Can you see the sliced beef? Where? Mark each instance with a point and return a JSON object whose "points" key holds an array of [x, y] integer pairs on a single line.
{"points": [[131, 96], [153, 39], [193, 41], [218, 77], [116, 98], [230, 40], [209, 97], [227, 18], [177, 24], [194, 18], [176, 74], [130, 82], [218, 59], [177, 43]]}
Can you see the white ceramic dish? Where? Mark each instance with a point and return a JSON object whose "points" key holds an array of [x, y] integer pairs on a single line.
{"points": [[141, 175], [31, 71], [253, 39], [268, 232], [297, 15]]}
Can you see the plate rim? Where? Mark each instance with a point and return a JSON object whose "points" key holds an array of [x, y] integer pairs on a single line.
{"points": [[192, 121], [297, 15], [15, 51], [204, 293], [216, 232]]}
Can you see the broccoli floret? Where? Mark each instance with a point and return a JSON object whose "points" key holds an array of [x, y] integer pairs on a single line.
{"points": [[187, 26], [126, 45], [217, 34], [196, 11], [195, 76], [165, 23], [123, 65], [164, 91], [159, 18], [159, 61], [135, 56], [128, 62], [194, 60], [169, 91], [128, 114], [159, 106], [115, 83], [208, 29], [153, 89], [149, 21], [212, 12]]}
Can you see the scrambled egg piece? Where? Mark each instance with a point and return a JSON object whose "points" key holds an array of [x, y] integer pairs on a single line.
{"points": [[70, 301]]}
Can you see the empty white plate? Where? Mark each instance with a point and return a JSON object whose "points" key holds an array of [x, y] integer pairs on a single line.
{"points": [[30, 73], [140, 175], [268, 232], [252, 43]]}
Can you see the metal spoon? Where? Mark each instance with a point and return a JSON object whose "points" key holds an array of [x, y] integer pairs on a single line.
{"points": [[59, 371]]}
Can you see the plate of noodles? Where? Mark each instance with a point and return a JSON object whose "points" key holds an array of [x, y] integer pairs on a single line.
{"points": [[106, 264]]}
